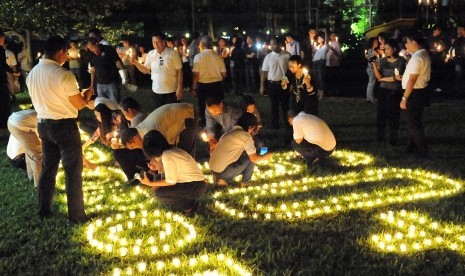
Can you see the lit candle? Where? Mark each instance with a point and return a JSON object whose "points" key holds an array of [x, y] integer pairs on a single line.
{"points": [[305, 71], [215, 48]]}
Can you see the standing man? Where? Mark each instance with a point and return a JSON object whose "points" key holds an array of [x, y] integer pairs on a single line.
{"points": [[165, 66], [208, 73], [415, 98], [104, 66], [274, 69], [56, 97], [312, 137]]}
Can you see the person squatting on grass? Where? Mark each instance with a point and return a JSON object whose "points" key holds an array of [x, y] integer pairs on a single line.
{"points": [[312, 137], [235, 153], [175, 121], [183, 183], [220, 118], [55, 95], [416, 94], [23, 126]]}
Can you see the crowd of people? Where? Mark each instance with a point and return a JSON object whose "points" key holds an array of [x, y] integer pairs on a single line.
{"points": [[158, 148], [404, 70]]}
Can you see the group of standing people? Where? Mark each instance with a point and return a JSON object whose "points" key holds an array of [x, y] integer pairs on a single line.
{"points": [[403, 85]]}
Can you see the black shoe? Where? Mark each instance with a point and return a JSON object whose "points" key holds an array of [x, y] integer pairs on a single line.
{"points": [[80, 220], [190, 212]]}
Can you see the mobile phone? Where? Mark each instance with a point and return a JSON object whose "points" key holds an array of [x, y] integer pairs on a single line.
{"points": [[263, 150]]}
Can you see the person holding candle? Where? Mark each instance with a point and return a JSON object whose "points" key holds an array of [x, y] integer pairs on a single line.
{"points": [[183, 183], [175, 121], [220, 118], [74, 59], [416, 96], [390, 91], [319, 64], [303, 95], [126, 53], [164, 65]]}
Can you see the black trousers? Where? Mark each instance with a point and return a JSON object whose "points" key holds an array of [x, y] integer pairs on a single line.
{"points": [[204, 90], [278, 97], [131, 161], [309, 151], [181, 196], [61, 141], [388, 111], [162, 99], [416, 103]]}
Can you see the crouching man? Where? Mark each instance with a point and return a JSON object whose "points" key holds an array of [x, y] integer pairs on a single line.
{"points": [[184, 183], [235, 153], [312, 137]]}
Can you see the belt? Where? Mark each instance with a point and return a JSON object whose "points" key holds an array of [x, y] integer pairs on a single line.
{"points": [[52, 121], [277, 82]]}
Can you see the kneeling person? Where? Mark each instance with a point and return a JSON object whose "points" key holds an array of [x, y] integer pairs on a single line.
{"points": [[312, 137], [184, 183], [235, 153]]}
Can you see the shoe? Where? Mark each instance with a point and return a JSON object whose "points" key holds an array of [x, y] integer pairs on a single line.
{"points": [[244, 184], [80, 220], [190, 212], [220, 182]]}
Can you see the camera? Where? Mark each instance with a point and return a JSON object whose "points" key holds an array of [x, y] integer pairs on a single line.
{"points": [[373, 59]]}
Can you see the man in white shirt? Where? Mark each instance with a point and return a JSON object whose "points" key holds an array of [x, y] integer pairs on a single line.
{"points": [[312, 137], [175, 121], [55, 95], [23, 126], [209, 72], [416, 96], [165, 67], [235, 153], [274, 69]]}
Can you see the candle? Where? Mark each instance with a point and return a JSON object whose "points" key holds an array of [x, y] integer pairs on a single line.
{"points": [[396, 71], [215, 48], [204, 137], [305, 71]]}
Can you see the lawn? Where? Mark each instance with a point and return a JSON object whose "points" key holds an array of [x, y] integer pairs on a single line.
{"points": [[369, 210]]}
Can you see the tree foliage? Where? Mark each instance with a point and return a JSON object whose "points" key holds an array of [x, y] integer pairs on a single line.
{"points": [[54, 16]]}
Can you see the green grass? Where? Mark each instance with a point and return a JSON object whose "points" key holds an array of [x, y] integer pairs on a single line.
{"points": [[272, 237]]}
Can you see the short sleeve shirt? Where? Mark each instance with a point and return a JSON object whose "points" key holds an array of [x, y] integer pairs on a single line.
{"points": [[105, 65], [50, 87], [163, 67], [209, 65], [276, 65], [419, 63], [169, 120], [180, 167], [313, 130], [230, 147]]}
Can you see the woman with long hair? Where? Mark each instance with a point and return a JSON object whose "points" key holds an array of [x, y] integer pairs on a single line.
{"points": [[390, 91]]}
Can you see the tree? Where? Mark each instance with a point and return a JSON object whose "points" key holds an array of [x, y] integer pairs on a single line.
{"points": [[42, 18]]}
